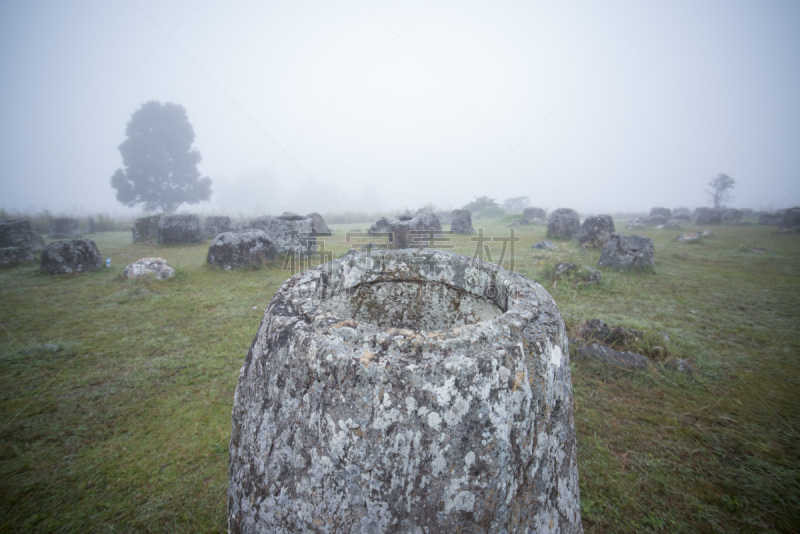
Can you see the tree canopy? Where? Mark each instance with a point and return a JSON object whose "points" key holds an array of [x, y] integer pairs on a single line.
{"points": [[516, 204], [719, 190], [160, 164]]}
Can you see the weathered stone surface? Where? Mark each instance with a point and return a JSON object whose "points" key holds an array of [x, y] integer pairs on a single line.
{"points": [[731, 215], [770, 219], [235, 250], [289, 232], [680, 365], [150, 267], [18, 233], [318, 226], [661, 212], [215, 225], [707, 216], [408, 231], [564, 223], [545, 245], [145, 229], [688, 238], [655, 220], [179, 230], [461, 222], [628, 252], [576, 273], [532, 214], [70, 256], [791, 217], [65, 227], [13, 256], [597, 330], [518, 222], [682, 214], [622, 358], [405, 391], [596, 231]]}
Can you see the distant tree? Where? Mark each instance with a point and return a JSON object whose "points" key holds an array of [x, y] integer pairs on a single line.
{"points": [[719, 190], [516, 204], [160, 164], [480, 203]]}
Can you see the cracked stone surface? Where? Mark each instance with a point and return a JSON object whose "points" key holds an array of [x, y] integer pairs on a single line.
{"points": [[289, 232], [235, 250], [153, 267], [70, 256], [179, 230], [145, 229], [628, 253], [563, 223], [405, 391]]}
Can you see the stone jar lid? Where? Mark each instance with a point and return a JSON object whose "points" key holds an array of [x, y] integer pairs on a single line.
{"points": [[402, 390]]}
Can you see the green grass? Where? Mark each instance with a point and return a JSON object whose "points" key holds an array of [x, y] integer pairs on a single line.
{"points": [[126, 426]]}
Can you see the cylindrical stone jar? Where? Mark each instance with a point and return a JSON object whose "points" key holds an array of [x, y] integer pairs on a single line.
{"points": [[405, 391]]}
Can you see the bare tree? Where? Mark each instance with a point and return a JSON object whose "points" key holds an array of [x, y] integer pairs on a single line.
{"points": [[719, 190]]}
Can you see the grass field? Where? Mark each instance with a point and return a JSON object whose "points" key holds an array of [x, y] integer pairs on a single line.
{"points": [[125, 427]]}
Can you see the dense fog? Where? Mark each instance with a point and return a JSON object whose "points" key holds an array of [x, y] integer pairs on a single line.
{"points": [[387, 105]]}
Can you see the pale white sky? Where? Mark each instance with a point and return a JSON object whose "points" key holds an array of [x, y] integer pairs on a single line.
{"points": [[371, 105]]}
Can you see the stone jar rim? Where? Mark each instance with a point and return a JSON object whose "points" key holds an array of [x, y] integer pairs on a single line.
{"points": [[518, 299]]}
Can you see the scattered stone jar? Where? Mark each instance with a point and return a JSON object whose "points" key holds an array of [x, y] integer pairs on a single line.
{"points": [[405, 391]]}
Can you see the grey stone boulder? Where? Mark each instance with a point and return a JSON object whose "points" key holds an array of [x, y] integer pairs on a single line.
{"points": [[731, 215], [688, 238], [405, 391], [576, 274], [461, 222], [661, 212], [545, 245], [682, 214], [318, 225], [534, 214], [216, 224], [596, 231], [620, 358], [628, 252], [18, 233], [791, 218], [408, 231], [157, 268], [289, 233], [596, 330], [179, 230], [655, 220], [65, 227], [637, 223], [70, 256], [13, 256], [563, 223], [707, 216], [145, 229], [236, 250], [770, 219], [680, 365]]}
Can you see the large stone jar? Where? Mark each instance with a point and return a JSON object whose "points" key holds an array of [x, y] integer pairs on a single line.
{"points": [[405, 391]]}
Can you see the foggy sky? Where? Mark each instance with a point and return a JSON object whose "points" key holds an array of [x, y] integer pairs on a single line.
{"points": [[373, 105]]}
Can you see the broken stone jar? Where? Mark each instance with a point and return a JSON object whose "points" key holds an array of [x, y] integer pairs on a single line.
{"points": [[405, 391]]}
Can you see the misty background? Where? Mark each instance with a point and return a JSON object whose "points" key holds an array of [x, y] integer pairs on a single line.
{"points": [[384, 105]]}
